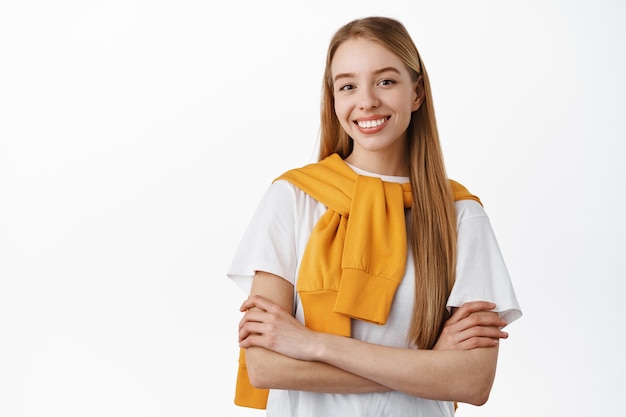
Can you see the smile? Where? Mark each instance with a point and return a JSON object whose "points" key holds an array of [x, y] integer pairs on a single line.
{"points": [[369, 124]]}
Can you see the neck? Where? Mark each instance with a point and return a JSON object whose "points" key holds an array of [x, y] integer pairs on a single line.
{"points": [[392, 164]]}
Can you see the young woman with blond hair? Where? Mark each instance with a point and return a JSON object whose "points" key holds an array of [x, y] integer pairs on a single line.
{"points": [[376, 284]]}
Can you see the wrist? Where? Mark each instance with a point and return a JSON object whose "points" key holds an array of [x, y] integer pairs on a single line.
{"points": [[319, 347]]}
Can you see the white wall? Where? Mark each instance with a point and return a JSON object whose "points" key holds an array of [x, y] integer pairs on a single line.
{"points": [[137, 136]]}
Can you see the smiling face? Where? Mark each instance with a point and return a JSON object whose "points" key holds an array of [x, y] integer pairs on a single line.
{"points": [[374, 97]]}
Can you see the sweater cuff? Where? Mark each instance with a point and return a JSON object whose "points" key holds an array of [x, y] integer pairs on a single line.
{"points": [[365, 297]]}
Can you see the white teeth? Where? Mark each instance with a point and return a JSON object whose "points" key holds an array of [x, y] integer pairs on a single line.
{"points": [[367, 124]]}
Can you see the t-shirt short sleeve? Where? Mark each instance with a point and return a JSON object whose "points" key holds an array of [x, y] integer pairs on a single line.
{"points": [[268, 241], [481, 274]]}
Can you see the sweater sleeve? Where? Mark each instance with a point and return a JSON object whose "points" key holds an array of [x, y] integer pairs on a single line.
{"points": [[268, 241], [481, 274]]}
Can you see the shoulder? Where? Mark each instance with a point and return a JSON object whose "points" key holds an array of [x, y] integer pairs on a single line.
{"points": [[286, 191], [287, 199], [467, 209], [281, 190]]}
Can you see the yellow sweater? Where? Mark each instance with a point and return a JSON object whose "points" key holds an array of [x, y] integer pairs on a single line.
{"points": [[355, 257]]}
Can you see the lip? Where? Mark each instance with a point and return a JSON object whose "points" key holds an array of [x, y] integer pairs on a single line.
{"points": [[372, 124]]}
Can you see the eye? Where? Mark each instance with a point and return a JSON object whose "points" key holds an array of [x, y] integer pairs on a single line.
{"points": [[346, 87], [386, 82]]}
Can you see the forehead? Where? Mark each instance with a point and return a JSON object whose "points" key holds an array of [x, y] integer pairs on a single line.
{"points": [[359, 55]]}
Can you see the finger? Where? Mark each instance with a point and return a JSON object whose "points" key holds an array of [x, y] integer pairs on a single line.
{"points": [[257, 301], [473, 326], [251, 302], [483, 331], [483, 318], [253, 340], [478, 342], [453, 336], [253, 316], [249, 329], [461, 340], [468, 308]]}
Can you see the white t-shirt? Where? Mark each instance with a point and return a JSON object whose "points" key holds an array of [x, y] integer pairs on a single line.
{"points": [[275, 241]]}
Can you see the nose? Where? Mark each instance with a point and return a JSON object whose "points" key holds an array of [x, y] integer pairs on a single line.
{"points": [[368, 98]]}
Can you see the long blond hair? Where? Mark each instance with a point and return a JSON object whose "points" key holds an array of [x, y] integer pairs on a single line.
{"points": [[433, 221]]}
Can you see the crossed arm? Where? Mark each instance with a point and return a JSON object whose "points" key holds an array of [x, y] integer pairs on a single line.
{"points": [[281, 353]]}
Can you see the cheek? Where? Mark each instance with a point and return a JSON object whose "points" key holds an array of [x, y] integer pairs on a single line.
{"points": [[340, 109], [343, 113]]}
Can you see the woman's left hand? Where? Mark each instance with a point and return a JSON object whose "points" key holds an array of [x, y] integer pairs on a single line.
{"points": [[267, 325], [471, 326]]}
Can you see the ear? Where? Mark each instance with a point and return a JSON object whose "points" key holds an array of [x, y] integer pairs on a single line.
{"points": [[419, 94]]}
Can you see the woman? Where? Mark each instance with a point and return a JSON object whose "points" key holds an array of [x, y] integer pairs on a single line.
{"points": [[373, 248]]}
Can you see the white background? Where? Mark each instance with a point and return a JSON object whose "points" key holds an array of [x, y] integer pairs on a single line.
{"points": [[136, 138]]}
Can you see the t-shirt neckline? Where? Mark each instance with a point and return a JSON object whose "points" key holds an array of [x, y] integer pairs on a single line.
{"points": [[387, 178]]}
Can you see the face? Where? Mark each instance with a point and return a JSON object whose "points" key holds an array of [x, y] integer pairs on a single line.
{"points": [[374, 99]]}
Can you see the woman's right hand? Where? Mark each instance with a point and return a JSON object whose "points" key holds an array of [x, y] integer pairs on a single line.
{"points": [[471, 326], [266, 324]]}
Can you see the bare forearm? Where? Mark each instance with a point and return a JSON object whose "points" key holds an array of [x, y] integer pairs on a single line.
{"points": [[268, 369], [286, 355], [449, 375]]}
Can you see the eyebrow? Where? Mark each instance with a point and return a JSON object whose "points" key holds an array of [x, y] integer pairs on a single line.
{"points": [[377, 72]]}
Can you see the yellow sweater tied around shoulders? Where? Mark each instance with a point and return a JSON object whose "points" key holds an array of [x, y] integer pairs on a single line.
{"points": [[356, 255]]}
